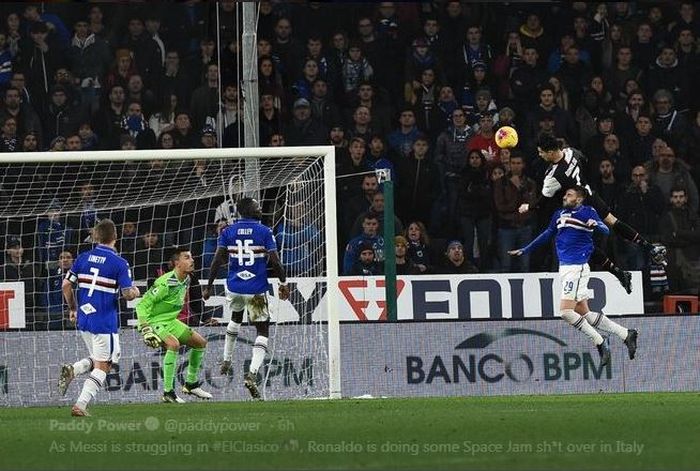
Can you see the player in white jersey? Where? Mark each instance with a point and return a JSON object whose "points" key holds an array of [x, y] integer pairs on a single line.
{"points": [[249, 246], [100, 274]]}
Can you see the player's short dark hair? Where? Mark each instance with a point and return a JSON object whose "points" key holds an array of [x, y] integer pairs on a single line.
{"points": [[105, 231], [547, 143], [177, 251], [245, 208], [580, 191]]}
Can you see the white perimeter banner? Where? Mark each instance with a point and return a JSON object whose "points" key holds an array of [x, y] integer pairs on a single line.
{"points": [[434, 297], [12, 312]]}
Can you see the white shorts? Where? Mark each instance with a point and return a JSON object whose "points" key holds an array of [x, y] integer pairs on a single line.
{"points": [[574, 281], [102, 347], [255, 304]]}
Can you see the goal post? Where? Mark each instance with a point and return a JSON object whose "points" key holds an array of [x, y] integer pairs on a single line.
{"points": [[48, 198]]}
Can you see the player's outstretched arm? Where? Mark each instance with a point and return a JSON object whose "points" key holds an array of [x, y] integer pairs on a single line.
{"points": [[278, 270], [541, 239], [220, 259]]}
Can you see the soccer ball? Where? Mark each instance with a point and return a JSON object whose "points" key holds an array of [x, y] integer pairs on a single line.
{"points": [[506, 137]]}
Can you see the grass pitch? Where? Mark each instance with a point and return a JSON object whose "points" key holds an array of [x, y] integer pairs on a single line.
{"points": [[611, 431]]}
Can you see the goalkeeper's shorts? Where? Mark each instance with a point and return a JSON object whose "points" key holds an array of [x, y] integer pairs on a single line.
{"points": [[255, 304], [181, 331]]}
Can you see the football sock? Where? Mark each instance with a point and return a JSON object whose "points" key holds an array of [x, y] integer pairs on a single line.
{"points": [[599, 258], [231, 335], [603, 322], [625, 231], [259, 350], [580, 323], [169, 362], [92, 384], [82, 366], [195, 362]]}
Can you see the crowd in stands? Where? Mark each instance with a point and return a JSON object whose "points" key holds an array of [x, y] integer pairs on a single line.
{"points": [[419, 88]]}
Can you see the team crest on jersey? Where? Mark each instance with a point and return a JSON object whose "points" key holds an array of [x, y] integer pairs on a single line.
{"points": [[88, 309], [245, 275]]}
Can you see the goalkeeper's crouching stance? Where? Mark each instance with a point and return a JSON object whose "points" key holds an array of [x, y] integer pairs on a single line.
{"points": [[158, 324]]}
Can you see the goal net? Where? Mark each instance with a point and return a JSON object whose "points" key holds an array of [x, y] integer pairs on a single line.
{"points": [[160, 200]]}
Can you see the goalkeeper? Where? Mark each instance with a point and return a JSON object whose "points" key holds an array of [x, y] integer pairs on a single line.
{"points": [[158, 323]]}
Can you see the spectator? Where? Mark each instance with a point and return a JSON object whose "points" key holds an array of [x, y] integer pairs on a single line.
{"points": [[148, 257], [271, 119], [377, 157], [574, 74], [563, 122], [455, 262], [474, 215], [164, 118], [485, 139], [643, 46], [642, 204], [474, 50], [304, 130], [53, 235], [380, 113], [89, 58], [680, 231], [14, 34], [136, 92], [30, 143], [533, 35], [401, 140], [451, 159], [269, 80], [669, 123], [174, 80], [525, 82], [505, 64], [39, 60], [17, 267], [326, 67], [607, 185], [420, 58], [359, 197], [205, 99], [642, 140], [323, 109], [109, 118], [561, 94], [361, 124], [25, 118], [88, 139], [122, 70], [53, 295], [514, 228], [8, 138], [183, 136], [73, 143], [418, 246], [368, 238], [376, 209], [557, 57], [5, 61], [356, 69], [147, 55], [309, 74], [366, 264], [666, 172], [287, 48], [667, 74], [135, 125], [625, 69], [404, 265], [61, 118]]}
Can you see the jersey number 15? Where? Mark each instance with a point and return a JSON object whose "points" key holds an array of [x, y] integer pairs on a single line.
{"points": [[245, 254]]}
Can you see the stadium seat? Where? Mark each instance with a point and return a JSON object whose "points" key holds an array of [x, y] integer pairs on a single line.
{"points": [[680, 303]]}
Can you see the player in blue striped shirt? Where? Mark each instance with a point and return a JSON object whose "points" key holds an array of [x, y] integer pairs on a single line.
{"points": [[573, 226], [100, 274], [248, 247]]}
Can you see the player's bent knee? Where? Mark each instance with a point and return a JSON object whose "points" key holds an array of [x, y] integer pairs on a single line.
{"points": [[171, 343], [262, 328], [102, 365]]}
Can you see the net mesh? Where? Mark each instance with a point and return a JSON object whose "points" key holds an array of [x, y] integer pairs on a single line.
{"points": [[47, 210]]}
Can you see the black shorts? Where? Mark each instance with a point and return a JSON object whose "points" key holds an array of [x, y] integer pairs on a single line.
{"points": [[598, 204]]}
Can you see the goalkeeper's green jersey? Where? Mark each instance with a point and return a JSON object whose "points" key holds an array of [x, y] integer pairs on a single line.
{"points": [[164, 301]]}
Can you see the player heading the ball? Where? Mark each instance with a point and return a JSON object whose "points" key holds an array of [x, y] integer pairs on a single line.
{"points": [[249, 246], [158, 314], [99, 275]]}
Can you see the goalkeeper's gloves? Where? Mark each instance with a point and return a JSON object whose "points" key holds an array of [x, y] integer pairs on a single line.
{"points": [[149, 337]]}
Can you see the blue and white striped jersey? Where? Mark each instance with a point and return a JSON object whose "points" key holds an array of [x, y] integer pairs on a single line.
{"points": [[247, 242], [574, 234], [100, 274]]}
